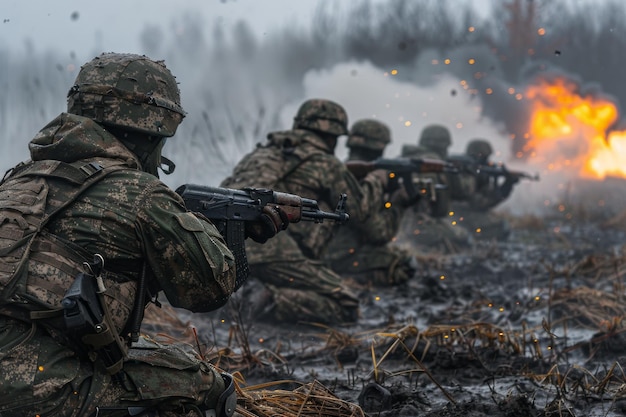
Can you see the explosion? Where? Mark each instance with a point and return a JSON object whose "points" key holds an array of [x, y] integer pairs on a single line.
{"points": [[571, 131]]}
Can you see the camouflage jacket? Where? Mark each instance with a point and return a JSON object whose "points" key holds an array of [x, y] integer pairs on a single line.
{"points": [[130, 217], [300, 162]]}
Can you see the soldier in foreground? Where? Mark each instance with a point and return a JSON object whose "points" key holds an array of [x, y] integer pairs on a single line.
{"points": [[366, 254], [293, 283], [88, 236], [420, 228]]}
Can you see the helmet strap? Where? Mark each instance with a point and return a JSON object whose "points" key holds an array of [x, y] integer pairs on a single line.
{"points": [[147, 148], [150, 154], [167, 165], [329, 138]]}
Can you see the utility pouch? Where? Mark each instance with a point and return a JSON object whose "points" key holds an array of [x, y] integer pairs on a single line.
{"points": [[227, 401], [87, 318], [81, 306]]}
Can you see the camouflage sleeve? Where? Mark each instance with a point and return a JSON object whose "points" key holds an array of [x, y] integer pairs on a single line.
{"points": [[382, 226], [189, 258], [365, 197]]}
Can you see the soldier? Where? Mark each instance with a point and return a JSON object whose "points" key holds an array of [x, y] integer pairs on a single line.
{"points": [[418, 227], [433, 143], [88, 236], [486, 192], [295, 283], [365, 254]]}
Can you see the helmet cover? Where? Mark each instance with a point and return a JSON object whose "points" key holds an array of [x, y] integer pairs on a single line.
{"points": [[128, 91], [323, 116]]}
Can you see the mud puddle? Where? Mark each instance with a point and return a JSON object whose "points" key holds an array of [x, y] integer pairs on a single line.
{"points": [[527, 327]]}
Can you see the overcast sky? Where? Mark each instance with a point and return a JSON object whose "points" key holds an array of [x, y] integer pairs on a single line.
{"points": [[114, 25], [75, 31]]}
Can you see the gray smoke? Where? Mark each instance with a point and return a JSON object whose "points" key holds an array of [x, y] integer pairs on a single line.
{"points": [[387, 60]]}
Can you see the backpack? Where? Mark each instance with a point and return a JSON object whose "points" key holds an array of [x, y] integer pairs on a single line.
{"points": [[30, 195], [271, 162]]}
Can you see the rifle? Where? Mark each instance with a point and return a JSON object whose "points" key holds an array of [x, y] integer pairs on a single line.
{"points": [[404, 168], [467, 164], [434, 194], [500, 170], [229, 209]]}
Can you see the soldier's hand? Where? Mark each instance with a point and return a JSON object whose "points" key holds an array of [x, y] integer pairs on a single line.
{"points": [[272, 220]]}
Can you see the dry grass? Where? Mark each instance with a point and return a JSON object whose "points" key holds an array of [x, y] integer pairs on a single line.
{"points": [[312, 399], [400, 350]]}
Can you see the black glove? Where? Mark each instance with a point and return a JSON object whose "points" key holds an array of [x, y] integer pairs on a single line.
{"points": [[272, 220]]}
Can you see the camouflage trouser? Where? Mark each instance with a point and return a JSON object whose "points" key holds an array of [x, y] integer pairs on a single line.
{"points": [[40, 376], [378, 265], [305, 290]]}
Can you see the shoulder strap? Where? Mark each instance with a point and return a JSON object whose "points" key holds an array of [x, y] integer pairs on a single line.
{"points": [[290, 143], [82, 174]]}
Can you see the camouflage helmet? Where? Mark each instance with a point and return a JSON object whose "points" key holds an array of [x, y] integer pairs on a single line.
{"points": [[435, 136], [369, 134], [128, 91], [479, 149], [323, 116]]}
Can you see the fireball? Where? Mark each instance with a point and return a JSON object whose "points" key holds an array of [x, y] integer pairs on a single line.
{"points": [[569, 130]]}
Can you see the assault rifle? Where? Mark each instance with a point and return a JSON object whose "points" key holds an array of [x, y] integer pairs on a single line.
{"points": [[500, 170], [402, 168], [229, 209], [466, 164], [434, 196]]}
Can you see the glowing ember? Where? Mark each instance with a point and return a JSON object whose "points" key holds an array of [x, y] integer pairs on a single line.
{"points": [[569, 130]]}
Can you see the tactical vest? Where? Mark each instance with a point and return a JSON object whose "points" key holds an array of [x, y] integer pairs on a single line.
{"points": [[36, 267], [270, 163]]}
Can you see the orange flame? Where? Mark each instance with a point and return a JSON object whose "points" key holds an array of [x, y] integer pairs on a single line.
{"points": [[569, 131]]}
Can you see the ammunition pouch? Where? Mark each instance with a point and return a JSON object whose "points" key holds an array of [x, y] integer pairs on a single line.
{"points": [[170, 377], [88, 320], [227, 401], [226, 404]]}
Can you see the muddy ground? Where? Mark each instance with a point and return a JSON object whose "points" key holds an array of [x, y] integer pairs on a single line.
{"points": [[530, 326]]}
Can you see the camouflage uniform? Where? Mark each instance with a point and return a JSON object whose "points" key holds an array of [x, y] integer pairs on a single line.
{"points": [[301, 161], [133, 221], [486, 192], [365, 254], [418, 227]]}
